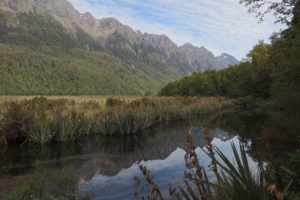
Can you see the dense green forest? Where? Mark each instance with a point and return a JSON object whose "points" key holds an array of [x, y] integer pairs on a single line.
{"points": [[39, 56], [271, 71], [248, 78]]}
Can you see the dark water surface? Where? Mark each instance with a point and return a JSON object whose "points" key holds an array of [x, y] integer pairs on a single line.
{"points": [[105, 167]]}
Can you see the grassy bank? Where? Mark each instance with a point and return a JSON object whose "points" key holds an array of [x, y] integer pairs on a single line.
{"points": [[25, 120]]}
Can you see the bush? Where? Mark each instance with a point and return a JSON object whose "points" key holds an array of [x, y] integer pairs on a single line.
{"points": [[112, 102]]}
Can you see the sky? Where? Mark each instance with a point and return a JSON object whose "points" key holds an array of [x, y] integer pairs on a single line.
{"points": [[219, 25]]}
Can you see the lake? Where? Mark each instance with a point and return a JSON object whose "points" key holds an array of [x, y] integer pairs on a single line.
{"points": [[105, 166]]}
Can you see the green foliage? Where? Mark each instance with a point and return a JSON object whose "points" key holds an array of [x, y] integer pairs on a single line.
{"points": [[27, 71], [248, 78], [39, 56], [42, 121], [33, 30], [272, 71], [112, 102], [252, 78], [237, 181], [282, 9], [124, 123], [286, 74]]}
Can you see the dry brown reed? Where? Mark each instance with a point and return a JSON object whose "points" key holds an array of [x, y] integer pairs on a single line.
{"points": [[154, 193], [195, 172], [210, 149]]}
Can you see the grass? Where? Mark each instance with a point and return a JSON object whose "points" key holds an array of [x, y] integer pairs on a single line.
{"points": [[83, 102], [43, 120]]}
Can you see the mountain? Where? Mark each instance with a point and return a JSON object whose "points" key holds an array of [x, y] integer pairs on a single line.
{"points": [[200, 59], [151, 60], [226, 60]]}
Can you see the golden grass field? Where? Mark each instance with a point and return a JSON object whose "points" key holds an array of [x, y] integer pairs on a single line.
{"points": [[78, 102], [78, 99]]}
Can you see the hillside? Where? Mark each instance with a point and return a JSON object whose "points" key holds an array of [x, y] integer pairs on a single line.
{"points": [[48, 47]]}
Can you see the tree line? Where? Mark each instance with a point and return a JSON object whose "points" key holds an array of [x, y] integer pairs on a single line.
{"points": [[271, 71]]}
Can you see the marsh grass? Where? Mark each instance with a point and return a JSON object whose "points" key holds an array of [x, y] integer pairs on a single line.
{"points": [[41, 120], [124, 123]]}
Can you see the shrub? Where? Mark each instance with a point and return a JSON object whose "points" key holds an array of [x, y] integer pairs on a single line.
{"points": [[112, 102]]}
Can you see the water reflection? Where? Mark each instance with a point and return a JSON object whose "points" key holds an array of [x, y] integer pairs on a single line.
{"points": [[165, 171], [105, 166]]}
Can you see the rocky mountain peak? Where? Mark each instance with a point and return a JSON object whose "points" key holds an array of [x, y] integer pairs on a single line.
{"points": [[187, 46], [108, 24], [121, 38], [227, 59]]}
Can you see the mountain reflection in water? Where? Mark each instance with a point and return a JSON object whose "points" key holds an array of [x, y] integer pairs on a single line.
{"points": [[165, 171], [105, 167]]}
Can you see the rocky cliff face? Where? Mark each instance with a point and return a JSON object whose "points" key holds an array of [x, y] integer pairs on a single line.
{"points": [[226, 59], [122, 41], [199, 58]]}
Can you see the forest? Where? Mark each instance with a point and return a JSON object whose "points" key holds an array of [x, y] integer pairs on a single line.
{"points": [[270, 71], [39, 56], [220, 134]]}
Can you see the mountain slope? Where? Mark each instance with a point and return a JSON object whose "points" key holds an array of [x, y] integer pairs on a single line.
{"points": [[41, 57], [139, 63], [106, 30]]}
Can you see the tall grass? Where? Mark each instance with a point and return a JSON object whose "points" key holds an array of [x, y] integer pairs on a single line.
{"points": [[124, 123], [40, 120]]}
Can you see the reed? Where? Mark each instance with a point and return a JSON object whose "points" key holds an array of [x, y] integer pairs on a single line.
{"points": [[41, 120], [39, 131], [235, 180], [154, 192], [68, 127], [124, 123]]}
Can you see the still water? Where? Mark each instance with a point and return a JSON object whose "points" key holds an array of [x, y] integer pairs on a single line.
{"points": [[105, 167]]}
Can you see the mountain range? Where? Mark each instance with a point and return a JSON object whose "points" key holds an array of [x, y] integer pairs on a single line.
{"points": [[114, 59]]}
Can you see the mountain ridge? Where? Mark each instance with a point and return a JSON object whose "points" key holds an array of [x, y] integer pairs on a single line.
{"points": [[42, 27], [102, 29]]}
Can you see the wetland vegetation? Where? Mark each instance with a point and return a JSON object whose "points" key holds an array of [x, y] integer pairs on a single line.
{"points": [[94, 163], [228, 134], [39, 120]]}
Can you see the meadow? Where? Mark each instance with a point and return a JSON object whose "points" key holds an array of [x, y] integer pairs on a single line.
{"points": [[31, 119]]}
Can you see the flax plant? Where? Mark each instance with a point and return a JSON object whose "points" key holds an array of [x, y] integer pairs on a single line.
{"points": [[233, 180]]}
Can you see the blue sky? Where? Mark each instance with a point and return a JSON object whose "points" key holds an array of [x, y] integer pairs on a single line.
{"points": [[219, 25]]}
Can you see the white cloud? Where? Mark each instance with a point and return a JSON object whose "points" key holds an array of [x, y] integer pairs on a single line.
{"points": [[219, 25]]}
